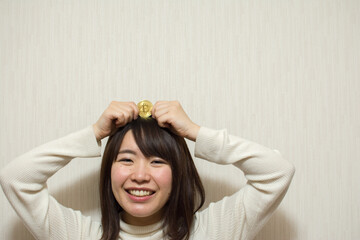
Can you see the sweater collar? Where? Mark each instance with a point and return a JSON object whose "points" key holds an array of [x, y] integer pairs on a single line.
{"points": [[140, 230]]}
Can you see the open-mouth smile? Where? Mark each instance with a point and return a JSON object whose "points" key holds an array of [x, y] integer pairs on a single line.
{"points": [[140, 193]]}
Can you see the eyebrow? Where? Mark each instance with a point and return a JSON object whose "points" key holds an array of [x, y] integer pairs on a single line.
{"points": [[127, 151]]}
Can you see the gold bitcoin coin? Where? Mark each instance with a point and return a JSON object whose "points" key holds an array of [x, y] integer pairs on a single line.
{"points": [[144, 107]]}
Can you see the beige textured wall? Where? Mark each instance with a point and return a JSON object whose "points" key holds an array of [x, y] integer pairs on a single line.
{"points": [[282, 73]]}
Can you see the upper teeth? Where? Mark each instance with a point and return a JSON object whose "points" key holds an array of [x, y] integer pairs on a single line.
{"points": [[140, 193]]}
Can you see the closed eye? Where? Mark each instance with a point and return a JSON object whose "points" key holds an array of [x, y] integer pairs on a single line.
{"points": [[159, 161], [125, 160]]}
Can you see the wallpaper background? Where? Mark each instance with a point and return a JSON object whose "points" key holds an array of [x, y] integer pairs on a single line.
{"points": [[283, 73]]}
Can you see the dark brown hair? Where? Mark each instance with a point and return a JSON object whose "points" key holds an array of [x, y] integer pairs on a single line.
{"points": [[187, 194]]}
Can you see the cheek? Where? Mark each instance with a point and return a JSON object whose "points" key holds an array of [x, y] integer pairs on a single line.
{"points": [[164, 178], [118, 176]]}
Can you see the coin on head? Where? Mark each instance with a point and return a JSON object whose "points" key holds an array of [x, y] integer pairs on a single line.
{"points": [[144, 107]]}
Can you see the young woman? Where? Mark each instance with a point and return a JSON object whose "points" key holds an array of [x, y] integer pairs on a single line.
{"points": [[149, 186]]}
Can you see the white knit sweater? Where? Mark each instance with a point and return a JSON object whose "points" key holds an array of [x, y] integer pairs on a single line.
{"points": [[239, 216]]}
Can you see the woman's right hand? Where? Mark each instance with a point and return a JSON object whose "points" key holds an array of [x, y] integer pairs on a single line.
{"points": [[116, 115]]}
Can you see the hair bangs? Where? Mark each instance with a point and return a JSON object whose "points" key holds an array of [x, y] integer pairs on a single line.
{"points": [[154, 141]]}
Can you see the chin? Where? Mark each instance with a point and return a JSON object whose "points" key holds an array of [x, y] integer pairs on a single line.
{"points": [[141, 217]]}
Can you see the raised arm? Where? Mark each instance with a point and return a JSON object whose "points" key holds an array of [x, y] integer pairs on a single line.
{"points": [[243, 214], [24, 179], [24, 183]]}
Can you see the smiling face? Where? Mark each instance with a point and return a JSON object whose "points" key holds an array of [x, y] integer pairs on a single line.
{"points": [[141, 185]]}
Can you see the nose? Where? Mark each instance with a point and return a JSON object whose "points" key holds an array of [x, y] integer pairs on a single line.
{"points": [[140, 173]]}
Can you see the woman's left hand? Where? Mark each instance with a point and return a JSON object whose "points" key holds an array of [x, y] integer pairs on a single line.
{"points": [[171, 115]]}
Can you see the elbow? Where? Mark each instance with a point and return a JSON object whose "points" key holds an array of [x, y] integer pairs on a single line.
{"points": [[288, 174], [5, 181], [2, 177], [8, 177], [288, 169], [293, 170]]}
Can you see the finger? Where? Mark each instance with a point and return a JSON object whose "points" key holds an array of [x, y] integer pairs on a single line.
{"points": [[120, 120], [132, 109], [124, 113], [171, 105], [163, 121], [161, 112], [153, 110], [135, 110], [113, 114], [127, 116], [128, 113], [159, 106]]}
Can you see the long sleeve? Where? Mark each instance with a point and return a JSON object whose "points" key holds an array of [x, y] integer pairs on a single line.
{"points": [[268, 175], [24, 183]]}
